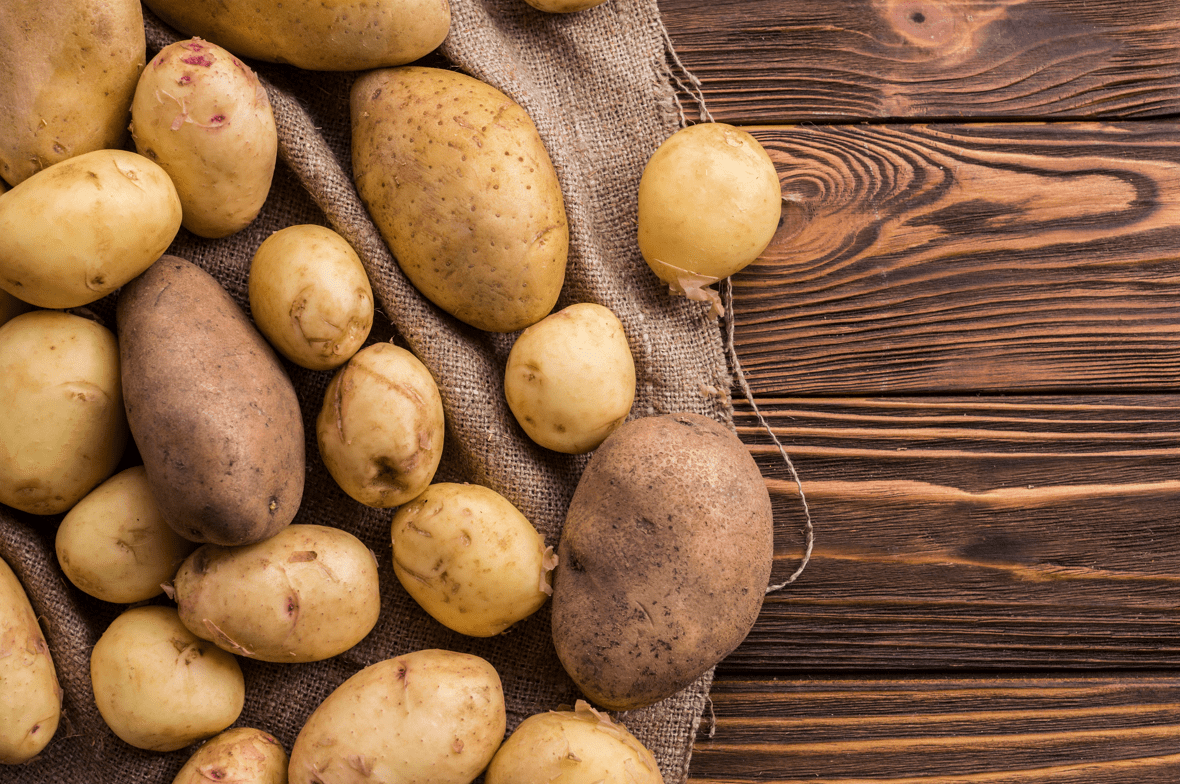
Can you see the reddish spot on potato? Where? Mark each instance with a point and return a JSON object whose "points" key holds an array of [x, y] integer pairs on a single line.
{"points": [[217, 119], [197, 59], [184, 79]]}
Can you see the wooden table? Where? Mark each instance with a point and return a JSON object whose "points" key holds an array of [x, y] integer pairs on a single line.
{"points": [[967, 335]]}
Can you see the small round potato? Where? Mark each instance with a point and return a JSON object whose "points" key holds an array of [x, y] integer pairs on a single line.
{"points": [[78, 230], [581, 746], [242, 755], [115, 545], [429, 716], [305, 594], [159, 687], [63, 427], [380, 430], [709, 204], [470, 558], [570, 378], [202, 114], [310, 296], [30, 708]]}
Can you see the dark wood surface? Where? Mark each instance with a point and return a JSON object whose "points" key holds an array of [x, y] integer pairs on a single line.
{"points": [[967, 335]]}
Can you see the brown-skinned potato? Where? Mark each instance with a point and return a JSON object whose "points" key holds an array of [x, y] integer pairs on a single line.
{"points": [[663, 560], [210, 407]]}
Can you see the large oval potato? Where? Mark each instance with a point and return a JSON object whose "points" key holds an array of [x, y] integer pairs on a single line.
{"points": [[159, 687], [458, 181], [470, 558], [579, 746], [342, 35], [78, 230], [115, 545], [63, 429], [211, 409], [663, 561], [67, 73], [242, 755], [202, 114], [31, 707], [380, 429], [307, 593], [429, 716]]}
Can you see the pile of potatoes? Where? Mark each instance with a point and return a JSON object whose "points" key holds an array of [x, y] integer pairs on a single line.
{"points": [[209, 517]]}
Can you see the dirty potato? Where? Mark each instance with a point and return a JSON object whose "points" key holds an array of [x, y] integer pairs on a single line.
{"points": [[31, 707]]}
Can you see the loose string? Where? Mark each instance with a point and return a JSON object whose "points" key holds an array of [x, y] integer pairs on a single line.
{"points": [[739, 374]]}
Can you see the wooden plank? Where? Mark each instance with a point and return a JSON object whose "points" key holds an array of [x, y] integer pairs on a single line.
{"points": [[788, 61], [1026, 730], [955, 533], [949, 258]]}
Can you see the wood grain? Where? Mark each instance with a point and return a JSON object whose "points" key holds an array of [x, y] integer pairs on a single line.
{"points": [[1031, 730], [788, 61], [983, 257], [1005, 533]]}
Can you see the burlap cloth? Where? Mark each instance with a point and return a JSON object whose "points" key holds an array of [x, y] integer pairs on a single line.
{"points": [[600, 87]]}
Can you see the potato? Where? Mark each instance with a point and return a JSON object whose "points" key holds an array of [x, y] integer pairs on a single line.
{"points": [[160, 688], [115, 546], [429, 716], [457, 179], [570, 378], [31, 707], [212, 411], [310, 296], [78, 230], [63, 429], [343, 35], [663, 561], [67, 72], [470, 558], [581, 746], [202, 114], [307, 593], [380, 429], [242, 755], [709, 204]]}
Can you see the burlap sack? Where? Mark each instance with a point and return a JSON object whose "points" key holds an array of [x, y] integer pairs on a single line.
{"points": [[600, 87]]}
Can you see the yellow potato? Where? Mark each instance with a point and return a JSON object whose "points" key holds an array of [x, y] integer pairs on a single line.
{"points": [[307, 593], [202, 114], [429, 716], [709, 204], [470, 558], [581, 746], [341, 35], [159, 687], [570, 378], [115, 545], [78, 230], [380, 430], [310, 296], [242, 755], [458, 181], [67, 73], [31, 704], [63, 428]]}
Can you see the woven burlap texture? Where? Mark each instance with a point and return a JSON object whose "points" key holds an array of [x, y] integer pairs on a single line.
{"points": [[599, 86]]}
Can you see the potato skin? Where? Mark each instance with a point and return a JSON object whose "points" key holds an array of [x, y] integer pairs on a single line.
{"points": [[242, 755], [202, 114], [78, 230], [457, 179], [67, 73], [343, 35], [428, 716], [663, 561], [31, 708], [63, 429], [306, 594], [160, 688], [211, 409]]}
